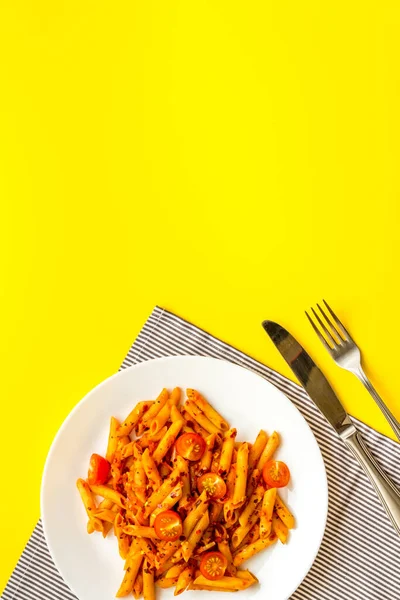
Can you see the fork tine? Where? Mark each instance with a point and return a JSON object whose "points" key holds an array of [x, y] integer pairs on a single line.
{"points": [[345, 333], [325, 329], [331, 325], [319, 334]]}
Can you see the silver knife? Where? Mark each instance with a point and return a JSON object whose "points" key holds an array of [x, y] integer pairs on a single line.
{"points": [[318, 388]]}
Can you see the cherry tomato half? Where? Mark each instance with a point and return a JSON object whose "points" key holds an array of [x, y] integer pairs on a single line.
{"points": [[99, 470], [276, 473], [213, 484], [168, 525], [191, 446], [213, 565]]}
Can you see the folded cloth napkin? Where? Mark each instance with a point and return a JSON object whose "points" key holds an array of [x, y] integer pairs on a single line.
{"points": [[359, 558]]}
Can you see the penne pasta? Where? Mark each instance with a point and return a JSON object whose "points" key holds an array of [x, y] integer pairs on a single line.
{"points": [[112, 439], [108, 493], [133, 418], [166, 488], [239, 492], [140, 531], [149, 592], [133, 564], [138, 586], [139, 477], [210, 412], [175, 414], [193, 478], [189, 545], [129, 462], [199, 417], [184, 580], [168, 440], [231, 584], [251, 506], [155, 408], [106, 504], [151, 470], [280, 529], [105, 515], [193, 425], [175, 397], [251, 537], [147, 548], [146, 440], [186, 428], [208, 588], [195, 513], [284, 513], [160, 420], [170, 501], [252, 482], [165, 553], [166, 582], [175, 570], [225, 550], [245, 574], [252, 549], [230, 487], [108, 526], [122, 440], [201, 549], [123, 539], [216, 509], [266, 513], [164, 469], [185, 498], [94, 523], [205, 462], [215, 460], [127, 450], [240, 533], [270, 447], [257, 449], [228, 445]]}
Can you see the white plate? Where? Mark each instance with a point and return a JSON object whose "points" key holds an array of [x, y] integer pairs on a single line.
{"points": [[91, 565]]}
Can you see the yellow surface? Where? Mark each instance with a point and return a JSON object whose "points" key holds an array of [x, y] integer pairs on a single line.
{"points": [[230, 161]]}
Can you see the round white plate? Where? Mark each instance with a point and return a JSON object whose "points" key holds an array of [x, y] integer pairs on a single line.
{"points": [[91, 565]]}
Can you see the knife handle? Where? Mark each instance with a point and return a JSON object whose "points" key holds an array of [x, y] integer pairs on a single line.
{"points": [[387, 492]]}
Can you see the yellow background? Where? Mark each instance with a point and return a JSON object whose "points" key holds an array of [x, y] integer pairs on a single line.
{"points": [[230, 161]]}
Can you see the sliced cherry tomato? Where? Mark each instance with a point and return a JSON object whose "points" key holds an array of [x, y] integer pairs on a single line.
{"points": [[213, 484], [99, 470], [191, 446], [168, 525], [213, 565], [276, 473]]}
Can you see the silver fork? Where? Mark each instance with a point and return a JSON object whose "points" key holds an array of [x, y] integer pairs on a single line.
{"points": [[346, 354]]}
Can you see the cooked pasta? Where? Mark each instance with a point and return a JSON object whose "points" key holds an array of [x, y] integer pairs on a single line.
{"points": [[188, 504]]}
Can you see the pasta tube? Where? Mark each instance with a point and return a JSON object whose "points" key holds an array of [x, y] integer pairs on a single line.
{"points": [[266, 513]]}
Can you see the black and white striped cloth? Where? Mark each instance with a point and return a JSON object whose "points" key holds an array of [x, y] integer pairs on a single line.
{"points": [[360, 555]]}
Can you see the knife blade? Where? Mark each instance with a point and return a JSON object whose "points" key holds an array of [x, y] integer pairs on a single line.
{"points": [[310, 376]]}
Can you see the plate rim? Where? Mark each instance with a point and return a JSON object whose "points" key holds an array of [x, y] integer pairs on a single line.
{"points": [[122, 371]]}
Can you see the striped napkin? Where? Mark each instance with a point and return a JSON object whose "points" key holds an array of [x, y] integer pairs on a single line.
{"points": [[360, 553]]}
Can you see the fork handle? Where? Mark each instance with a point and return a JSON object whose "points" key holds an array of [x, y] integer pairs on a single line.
{"points": [[387, 492], [394, 424]]}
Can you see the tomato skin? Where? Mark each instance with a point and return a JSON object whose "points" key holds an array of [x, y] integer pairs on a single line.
{"points": [[168, 525], [213, 484], [99, 470], [213, 565], [190, 446], [276, 473]]}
